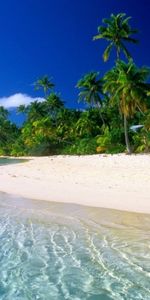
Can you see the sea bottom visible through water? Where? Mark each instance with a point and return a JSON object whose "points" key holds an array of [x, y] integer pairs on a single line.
{"points": [[65, 251]]}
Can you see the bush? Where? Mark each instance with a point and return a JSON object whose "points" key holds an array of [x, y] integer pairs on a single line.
{"points": [[142, 141], [110, 142], [114, 149], [2, 152], [81, 147]]}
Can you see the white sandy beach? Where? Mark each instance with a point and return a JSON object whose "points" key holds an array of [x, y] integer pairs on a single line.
{"points": [[111, 181]]}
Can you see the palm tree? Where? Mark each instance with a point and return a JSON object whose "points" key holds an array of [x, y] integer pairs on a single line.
{"points": [[85, 126], [66, 123], [91, 91], [22, 109], [44, 83], [54, 103], [127, 88], [36, 110], [117, 32], [3, 113]]}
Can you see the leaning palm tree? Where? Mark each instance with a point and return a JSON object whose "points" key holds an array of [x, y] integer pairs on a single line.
{"points": [[117, 32], [127, 88], [45, 83], [91, 91]]}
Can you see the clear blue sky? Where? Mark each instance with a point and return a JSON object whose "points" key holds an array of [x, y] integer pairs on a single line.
{"points": [[54, 37]]}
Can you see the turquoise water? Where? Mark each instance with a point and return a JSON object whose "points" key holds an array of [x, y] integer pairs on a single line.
{"points": [[58, 251], [7, 161]]}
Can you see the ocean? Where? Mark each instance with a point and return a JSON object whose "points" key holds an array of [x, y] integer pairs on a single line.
{"points": [[7, 161], [62, 251]]}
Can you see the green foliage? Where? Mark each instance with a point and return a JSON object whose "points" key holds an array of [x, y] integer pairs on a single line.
{"points": [[18, 147], [44, 83], [8, 132], [88, 124], [105, 139], [2, 152], [142, 141], [117, 32], [91, 89], [122, 94], [81, 147], [128, 90], [126, 83], [114, 149], [110, 142]]}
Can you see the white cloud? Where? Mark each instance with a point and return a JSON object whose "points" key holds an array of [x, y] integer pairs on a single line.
{"points": [[18, 99]]}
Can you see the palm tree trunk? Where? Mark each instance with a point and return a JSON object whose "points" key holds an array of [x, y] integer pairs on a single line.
{"points": [[126, 135], [100, 114]]}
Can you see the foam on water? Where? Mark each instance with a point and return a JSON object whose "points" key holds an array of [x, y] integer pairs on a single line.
{"points": [[61, 251]]}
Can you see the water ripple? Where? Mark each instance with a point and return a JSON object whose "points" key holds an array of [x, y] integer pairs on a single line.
{"points": [[46, 253]]}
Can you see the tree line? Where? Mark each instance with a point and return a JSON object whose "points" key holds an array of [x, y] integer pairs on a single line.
{"points": [[117, 117]]}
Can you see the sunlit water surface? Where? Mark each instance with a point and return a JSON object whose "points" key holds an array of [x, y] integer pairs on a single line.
{"points": [[61, 251]]}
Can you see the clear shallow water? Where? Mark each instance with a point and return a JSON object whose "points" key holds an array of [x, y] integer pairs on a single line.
{"points": [[7, 161], [57, 251]]}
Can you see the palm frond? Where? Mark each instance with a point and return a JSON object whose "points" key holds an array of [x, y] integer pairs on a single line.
{"points": [[129, 39], [116, 31], [107, 51]]}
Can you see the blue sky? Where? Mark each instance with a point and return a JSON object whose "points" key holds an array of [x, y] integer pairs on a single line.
{"points": [[39, 37]]}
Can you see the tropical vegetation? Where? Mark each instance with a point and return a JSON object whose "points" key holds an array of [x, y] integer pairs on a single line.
{"points": [[115, 118]]}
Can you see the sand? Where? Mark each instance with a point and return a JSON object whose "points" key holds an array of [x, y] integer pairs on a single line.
{"points": [[111, 181]]}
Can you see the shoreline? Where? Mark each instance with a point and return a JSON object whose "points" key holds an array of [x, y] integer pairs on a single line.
{"points": [[119, 181]]}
